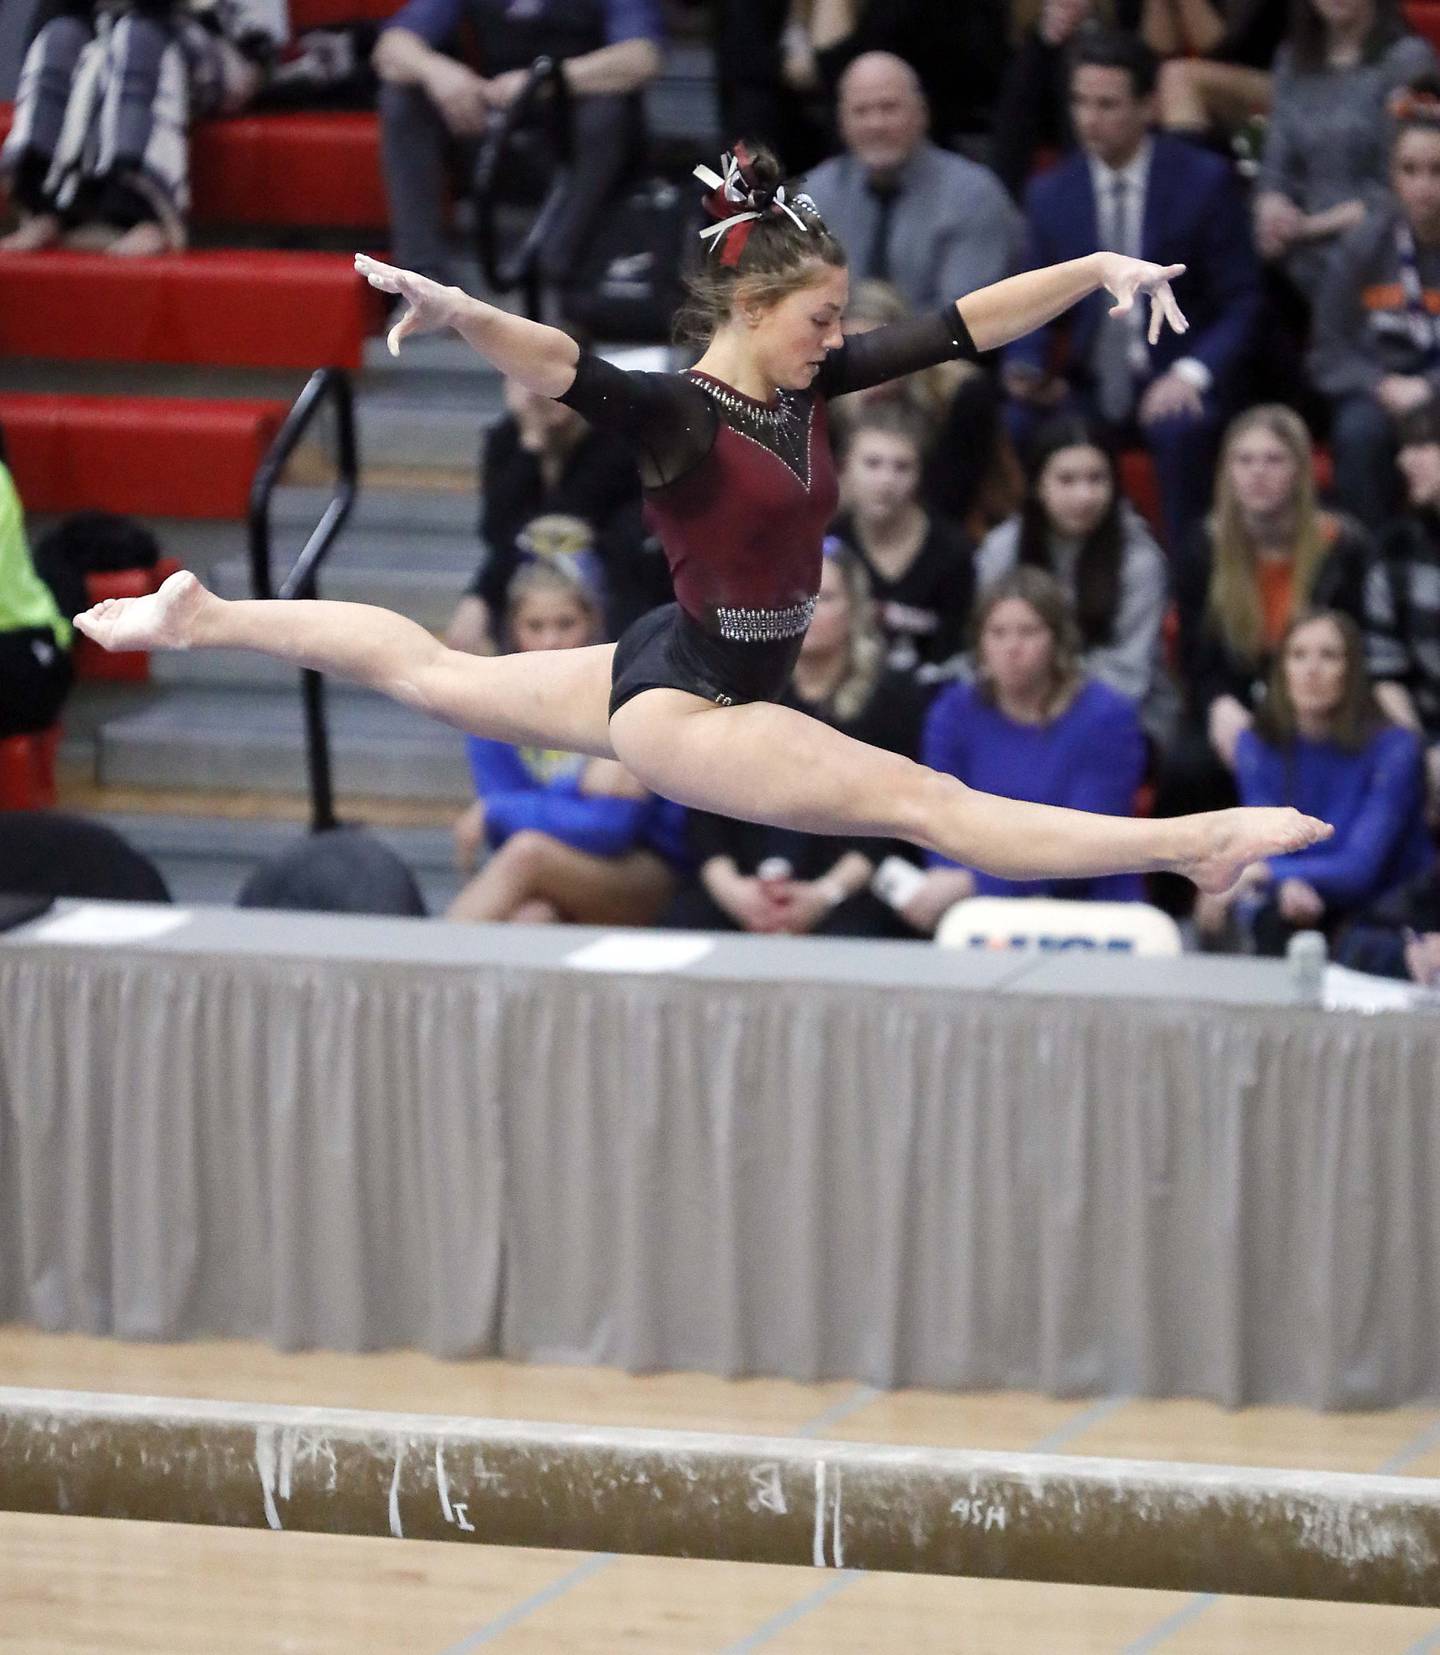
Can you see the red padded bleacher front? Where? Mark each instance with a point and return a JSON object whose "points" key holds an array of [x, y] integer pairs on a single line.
{"points": [[147, 456], [27, 770], [229, 309], [324, 14], [306, 169], [1424, 17]]}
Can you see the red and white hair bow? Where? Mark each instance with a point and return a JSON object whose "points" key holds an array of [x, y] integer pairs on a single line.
{"points": [[738, 205]]}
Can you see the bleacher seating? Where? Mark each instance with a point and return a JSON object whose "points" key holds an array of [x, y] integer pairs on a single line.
{"points": [[159, 456], [1424, 17], [228, 308], [27, 770]]}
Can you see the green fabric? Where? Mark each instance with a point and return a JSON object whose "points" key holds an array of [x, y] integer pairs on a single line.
{"points": [[25, 600]]}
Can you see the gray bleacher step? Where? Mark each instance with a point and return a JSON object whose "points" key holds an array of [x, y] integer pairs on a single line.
{"points": [[148, 379], [425, 595], [207, 858], [425, 511], [251, 739], [415, 529], [423, 431]]}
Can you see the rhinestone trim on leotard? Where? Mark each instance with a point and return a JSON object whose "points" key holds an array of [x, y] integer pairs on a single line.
{"points": [[763, 626]]}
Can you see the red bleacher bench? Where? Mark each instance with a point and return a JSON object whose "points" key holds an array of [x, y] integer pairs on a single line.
{"points": [[141, 456], [27, 770], [124, 666], [324, 14], [320, 170], [222, 308], [1424, 17]]}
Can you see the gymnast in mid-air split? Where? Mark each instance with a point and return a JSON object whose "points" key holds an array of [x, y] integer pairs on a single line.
{"points": [[740, 486]]}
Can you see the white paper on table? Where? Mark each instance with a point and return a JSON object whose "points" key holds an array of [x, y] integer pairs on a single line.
{"points": [[640, 951], [111, 922], [1347, 990]]}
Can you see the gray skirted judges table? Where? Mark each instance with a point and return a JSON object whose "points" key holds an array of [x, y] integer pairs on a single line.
{"points": [[885, 1162]]}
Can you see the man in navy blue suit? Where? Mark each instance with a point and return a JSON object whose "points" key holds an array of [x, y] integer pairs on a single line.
{"points": [[1129, 190]]}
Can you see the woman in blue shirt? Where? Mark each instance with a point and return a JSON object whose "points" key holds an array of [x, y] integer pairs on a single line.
{"points": [[1031, 726], [1320, 736], [573, 838]]}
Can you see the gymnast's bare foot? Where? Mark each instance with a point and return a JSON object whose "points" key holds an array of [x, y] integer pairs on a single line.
{"points": [[164, 620], [1228, 841]]}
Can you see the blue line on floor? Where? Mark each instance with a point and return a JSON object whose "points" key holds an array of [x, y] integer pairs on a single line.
{"points": [[1428, 1645], [1078, 1424], [787, 1617], [861, 1397], [537, 1600], [1172, 1623], [1415, 1449]]}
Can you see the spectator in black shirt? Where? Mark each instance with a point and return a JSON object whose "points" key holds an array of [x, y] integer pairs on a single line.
{"points": [[1402, 595], [540, 459], [921, 566], [825, 886]]}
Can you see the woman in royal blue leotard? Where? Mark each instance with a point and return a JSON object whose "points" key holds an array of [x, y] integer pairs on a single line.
{"points": [[740, 484]]}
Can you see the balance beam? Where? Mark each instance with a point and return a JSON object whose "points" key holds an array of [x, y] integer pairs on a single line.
{"points": [[1136, 1523]]}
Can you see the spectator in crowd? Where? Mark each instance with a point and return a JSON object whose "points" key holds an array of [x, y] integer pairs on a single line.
{"points": [[35, 638], [1075, 524], [98, 150], [541, 459], [1215, 74], [1377, 333], [1321, 741], [772, 880], [1324, 157], [1158, 197], [573, 839], [1402, 595], [920, 566], [1032, 112], [971, 474], [934, 224], [768, 79], [1031, 725], [433, 107], [1398, 936], [957, 50], [1264, 554]]}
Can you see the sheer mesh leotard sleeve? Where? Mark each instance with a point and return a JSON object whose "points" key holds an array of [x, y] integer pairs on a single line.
{"points": [[666, 418], [891, 352]]}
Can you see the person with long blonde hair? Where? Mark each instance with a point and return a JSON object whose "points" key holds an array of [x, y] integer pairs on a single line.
{"points": [[1267, 550], [740, 482]]}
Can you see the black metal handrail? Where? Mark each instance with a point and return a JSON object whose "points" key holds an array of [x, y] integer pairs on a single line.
{"points": [[300, 582], [545, 92]]}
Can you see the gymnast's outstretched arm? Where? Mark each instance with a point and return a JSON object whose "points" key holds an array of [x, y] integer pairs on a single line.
{"points": [[541, 358], [1018, 305]]}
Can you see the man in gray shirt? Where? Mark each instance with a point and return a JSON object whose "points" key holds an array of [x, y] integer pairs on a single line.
{"points": [[934, 224]]}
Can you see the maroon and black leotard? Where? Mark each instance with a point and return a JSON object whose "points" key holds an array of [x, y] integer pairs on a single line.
{"points": [[739, 493]]}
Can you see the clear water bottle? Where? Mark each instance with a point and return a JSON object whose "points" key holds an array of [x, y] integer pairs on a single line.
{"points": [[1306, 955]]}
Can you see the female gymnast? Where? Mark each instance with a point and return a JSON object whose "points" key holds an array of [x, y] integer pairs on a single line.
{"points": [[740, 484]]}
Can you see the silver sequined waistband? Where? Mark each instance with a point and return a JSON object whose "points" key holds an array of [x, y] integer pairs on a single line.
{"points": [[760, 626]]}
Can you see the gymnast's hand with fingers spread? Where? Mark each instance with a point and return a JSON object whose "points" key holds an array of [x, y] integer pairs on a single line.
{"points": [[432, 306], [1127, 278]]}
